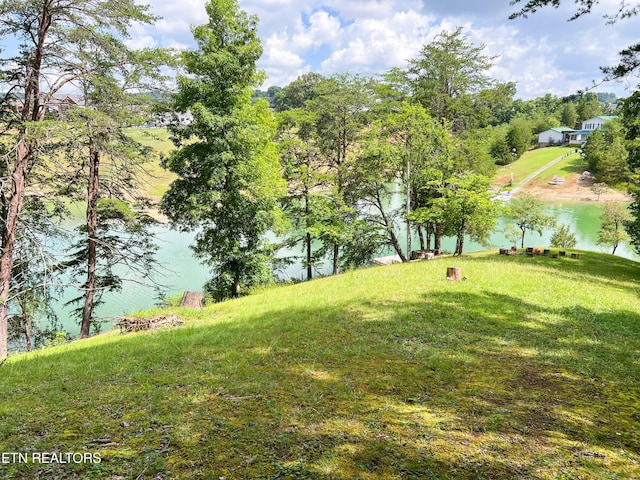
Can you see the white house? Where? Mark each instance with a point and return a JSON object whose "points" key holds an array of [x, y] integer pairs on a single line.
{"points": [[596, 122], [554, 136], [569, 136]]}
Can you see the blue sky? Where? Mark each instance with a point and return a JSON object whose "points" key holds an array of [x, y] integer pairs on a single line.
{"points": [[542, 54]]}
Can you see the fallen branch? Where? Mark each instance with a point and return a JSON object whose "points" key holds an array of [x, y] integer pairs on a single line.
{"points": [[136, 324]]}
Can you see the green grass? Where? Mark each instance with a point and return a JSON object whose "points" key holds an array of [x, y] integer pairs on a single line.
{"points": [[529, 162], [529, 369], [157, 181], [569, 166]]}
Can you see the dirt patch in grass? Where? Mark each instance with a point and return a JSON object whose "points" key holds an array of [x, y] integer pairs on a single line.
{"points": [[573, 190]]}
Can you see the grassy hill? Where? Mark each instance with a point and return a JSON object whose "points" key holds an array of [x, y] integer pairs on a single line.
{"points": [[528, 369], [532, 160]]}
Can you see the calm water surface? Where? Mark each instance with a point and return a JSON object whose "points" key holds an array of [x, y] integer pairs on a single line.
{"points": [[182, 271]]}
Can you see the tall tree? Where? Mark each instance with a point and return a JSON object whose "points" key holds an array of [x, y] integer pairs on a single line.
{"points": [[342, 108], [304, 171], [229, 181], [630, 118], [294, 95], [45, 62], [446, 73], [469, 210], [108, 163], [606, 154]]}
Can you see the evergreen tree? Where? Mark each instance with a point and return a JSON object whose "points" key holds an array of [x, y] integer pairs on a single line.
{"points": [[46, 61], [445, 75]]}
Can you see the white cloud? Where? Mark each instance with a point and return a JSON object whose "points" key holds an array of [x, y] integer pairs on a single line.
{"points": [[543, 53]]}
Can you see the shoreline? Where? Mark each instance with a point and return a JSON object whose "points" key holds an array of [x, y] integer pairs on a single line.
{"points": [[573, 190]]}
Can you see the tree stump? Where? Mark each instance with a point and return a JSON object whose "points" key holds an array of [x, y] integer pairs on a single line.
{"points": [[191, 299], [454, 273]]}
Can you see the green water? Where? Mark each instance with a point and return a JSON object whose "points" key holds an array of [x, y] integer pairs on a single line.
{"points": [[183, 272]]}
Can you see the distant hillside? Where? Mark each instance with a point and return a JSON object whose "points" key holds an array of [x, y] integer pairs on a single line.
{"points": [[527, 369]]}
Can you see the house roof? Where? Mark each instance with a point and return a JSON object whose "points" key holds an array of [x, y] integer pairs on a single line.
{"points": [[558, 130], [605, 118]]}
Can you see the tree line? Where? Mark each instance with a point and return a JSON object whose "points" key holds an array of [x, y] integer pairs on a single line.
{"points": [[314, 162]]}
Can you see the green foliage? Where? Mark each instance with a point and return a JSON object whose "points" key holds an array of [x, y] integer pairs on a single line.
{"points": [[513, 233], [518, 136], [630, 118], [632, 224], [527, 213], [606, 154], [588, 107], [229, 181], [612, 231], [57, 339], [599, 188], [569, 115], [494, 106], [445, 75], [563, 237], [297, 92], [468, 209], [501, 152]]}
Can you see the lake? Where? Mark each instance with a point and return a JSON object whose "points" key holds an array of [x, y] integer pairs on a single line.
{"points": [[182, 271]]}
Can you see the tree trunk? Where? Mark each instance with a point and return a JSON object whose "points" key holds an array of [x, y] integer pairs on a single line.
{"points": [[389, 227], [93, 191], [454, 273], [309, 266], [459, 244], [421, 237], [336, 259], [307, 237], [437, 243], [18, 180], [235, 288], [27, 334], [30, 109]]}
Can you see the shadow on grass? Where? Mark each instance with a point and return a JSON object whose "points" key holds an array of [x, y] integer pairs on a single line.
{"points": [[457, 385]]}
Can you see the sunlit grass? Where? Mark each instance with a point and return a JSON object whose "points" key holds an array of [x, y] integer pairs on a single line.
{"points": [[529, 162], [157, 180], [528, 369]]}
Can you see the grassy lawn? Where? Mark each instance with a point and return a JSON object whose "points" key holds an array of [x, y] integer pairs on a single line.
{"points": [[158, 179], [529, 369], [568, 166], [529, 162]]}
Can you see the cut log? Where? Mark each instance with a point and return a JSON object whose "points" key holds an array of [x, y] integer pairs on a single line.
{"points": [[191, 299], [454, 273]]}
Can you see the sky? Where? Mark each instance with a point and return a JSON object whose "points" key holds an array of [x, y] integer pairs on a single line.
{"points": [[542, 54]]}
